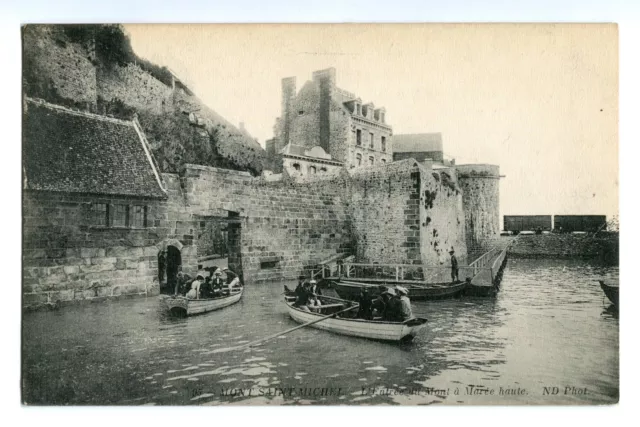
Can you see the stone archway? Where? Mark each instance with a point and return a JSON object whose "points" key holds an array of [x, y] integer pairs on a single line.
{"points": [[169, 264]]}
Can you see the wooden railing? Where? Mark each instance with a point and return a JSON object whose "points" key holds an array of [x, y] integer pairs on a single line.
{"points": [[483, 260], [487, 264]]}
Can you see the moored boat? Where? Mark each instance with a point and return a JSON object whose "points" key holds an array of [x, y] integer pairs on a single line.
{"points": [[372, 329], [350, 289], [183, 306], [611, 291]]}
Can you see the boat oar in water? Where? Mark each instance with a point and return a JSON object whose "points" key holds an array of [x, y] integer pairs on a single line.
{"points": [[261, 340]]}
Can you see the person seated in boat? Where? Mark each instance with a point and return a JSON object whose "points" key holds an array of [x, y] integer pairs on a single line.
{"points": [[313, 303], [364, 309], [379, 304], [392, 306], [301, 280], [314, 288], [183, 283], [217, 283], [206, 288], [194, 292], [305, 298], [404, 307], [232, 279]]}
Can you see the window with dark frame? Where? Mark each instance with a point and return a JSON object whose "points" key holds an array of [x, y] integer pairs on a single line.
{"points": [[138, 216], [358, 137], [383, 143], [371, 160], [312, 169], [99, 215], [358, 159], [370, 139], [119, 218]]}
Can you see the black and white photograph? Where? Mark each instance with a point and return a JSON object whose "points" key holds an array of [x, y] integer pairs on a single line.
{"points": [[319, 214]]}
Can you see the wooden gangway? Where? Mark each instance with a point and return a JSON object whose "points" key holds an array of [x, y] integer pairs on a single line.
{"points": [[483, 271]]}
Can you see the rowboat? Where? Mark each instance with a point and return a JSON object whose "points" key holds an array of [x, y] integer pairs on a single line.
{"points": [[611, 291], [371, 329], [183, 306], [350, 289]]}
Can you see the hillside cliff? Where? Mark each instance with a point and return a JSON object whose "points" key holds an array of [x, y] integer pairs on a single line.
{"points": [[94, 68]]}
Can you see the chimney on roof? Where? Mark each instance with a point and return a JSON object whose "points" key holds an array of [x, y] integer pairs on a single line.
{"points": [[326, 80], [288, 96]]}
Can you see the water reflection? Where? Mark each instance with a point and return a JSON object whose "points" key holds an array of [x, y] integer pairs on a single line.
{"points": [[547, 326]]}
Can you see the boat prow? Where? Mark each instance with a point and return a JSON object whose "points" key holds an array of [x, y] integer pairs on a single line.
{"points": [[371, 329], [178, 305], [612, 291]]}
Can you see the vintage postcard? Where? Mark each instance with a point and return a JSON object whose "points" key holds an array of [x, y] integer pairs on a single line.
{"points": [[344, 214]]}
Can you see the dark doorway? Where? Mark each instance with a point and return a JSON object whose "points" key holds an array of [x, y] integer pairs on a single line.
{"points": [[234, 244], [174, 261]]}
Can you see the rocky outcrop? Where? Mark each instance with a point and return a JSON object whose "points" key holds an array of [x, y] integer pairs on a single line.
{"points": [[93, 68]]}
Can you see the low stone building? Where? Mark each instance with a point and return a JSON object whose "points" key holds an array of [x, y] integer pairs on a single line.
{"points": [[94, 207]]}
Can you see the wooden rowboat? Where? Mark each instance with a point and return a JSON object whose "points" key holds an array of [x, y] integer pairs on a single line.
{"points": [[183, 306], [611, 291], [372, 329], [350, 289]]}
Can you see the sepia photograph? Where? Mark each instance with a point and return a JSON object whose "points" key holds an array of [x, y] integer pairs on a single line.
{"points": [[319, 214]]}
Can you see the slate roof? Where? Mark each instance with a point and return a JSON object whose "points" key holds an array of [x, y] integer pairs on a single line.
{"points": [[77, 152], [417, 142]]}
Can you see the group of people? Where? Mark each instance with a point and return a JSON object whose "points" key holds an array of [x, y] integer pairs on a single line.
{"points": [[307, 293], [212, 286], [392, 305]]}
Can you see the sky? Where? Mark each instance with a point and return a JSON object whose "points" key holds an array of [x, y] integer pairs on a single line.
{"points": [[540, 100]]}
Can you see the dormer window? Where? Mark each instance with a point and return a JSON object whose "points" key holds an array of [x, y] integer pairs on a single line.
{"points": [[358, 110], [382, 117]]}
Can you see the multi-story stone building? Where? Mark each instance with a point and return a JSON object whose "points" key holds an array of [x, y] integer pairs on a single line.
{"points": [[329, 127]]}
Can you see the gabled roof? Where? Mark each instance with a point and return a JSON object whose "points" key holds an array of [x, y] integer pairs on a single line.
{"points": [[417, 142], [78, 152]]}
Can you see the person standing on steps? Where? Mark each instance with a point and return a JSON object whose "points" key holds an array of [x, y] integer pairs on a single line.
{"points": [[454, 266]]}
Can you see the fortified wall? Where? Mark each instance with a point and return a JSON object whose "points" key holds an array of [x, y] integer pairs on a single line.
{"points": [[406, 213], [283, 226], [480, 185], [401, 213]]}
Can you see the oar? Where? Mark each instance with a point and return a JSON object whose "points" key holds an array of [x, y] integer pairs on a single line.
{"points": [[261, 340]]}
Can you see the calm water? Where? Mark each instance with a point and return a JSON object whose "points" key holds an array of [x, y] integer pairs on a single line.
{"points": [[549, 326]]}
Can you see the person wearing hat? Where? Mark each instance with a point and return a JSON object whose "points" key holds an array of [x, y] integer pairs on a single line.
{"points": [[217, 283], [315, 289], [379, 304], [390, 313], [404, 306], [454, 266]]}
